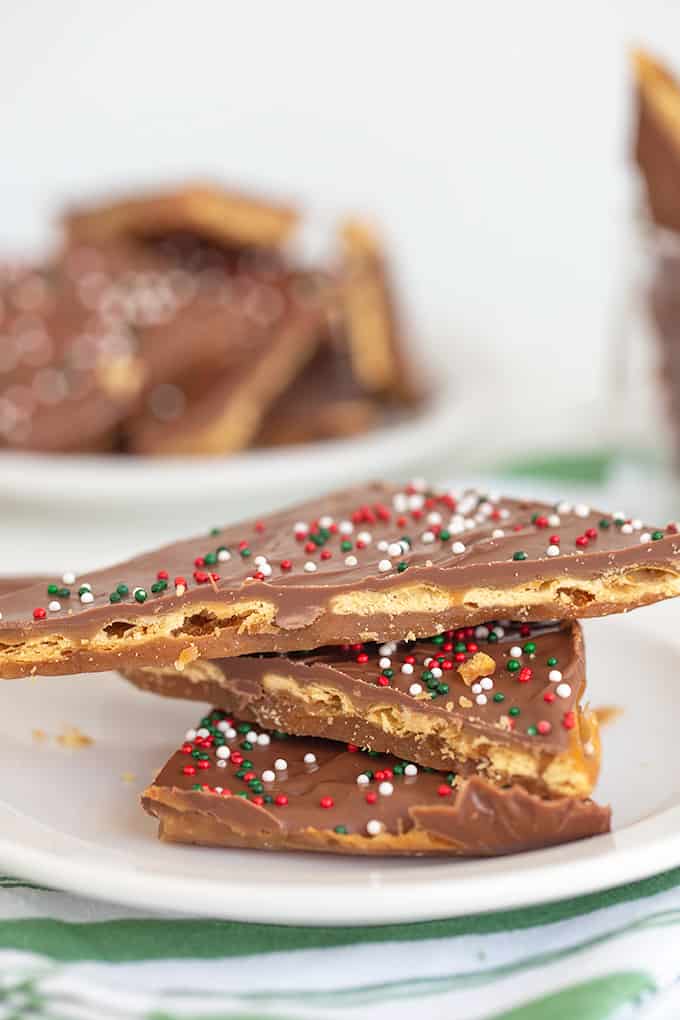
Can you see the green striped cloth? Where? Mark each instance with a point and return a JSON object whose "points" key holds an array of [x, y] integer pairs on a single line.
{"points": [[614, 954]]}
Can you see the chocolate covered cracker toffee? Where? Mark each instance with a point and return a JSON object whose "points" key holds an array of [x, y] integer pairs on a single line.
{"points": [[374, 563], [234, 785], [501, 702]]}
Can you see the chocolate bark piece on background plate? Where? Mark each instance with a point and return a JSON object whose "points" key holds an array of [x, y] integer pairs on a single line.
{"points": [[230, 219], [234, 785], [376, 562], [657, 141], [274, 328], [372, 320], [499, 702]]}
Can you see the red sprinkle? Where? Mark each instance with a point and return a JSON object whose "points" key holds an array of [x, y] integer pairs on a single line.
{"points": [[525, 674], [39, 613], [444, 790], [199, 562], [236, 758], [326, 554], [549, 696], [286, 565], [259, 526], [371, 797], [569, 720], [362, 657], [280, 800], [186, 748], [591, 533], [350, 747], [202, 764], [180, 580], [326, 802], [544, 727], [162, 575], [383, 681], [258, 800], [582, 541], [189, 770]]}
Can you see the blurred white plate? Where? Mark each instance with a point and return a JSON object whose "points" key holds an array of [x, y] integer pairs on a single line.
{"points": [[72, 820], [271, 476]]}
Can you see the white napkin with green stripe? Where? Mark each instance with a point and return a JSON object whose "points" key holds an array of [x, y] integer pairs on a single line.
{"points": [[609, 955]]}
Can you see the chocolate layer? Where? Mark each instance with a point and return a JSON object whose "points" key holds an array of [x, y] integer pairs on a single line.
{"points": [[502, 702], [377, 562], [274, 792]]}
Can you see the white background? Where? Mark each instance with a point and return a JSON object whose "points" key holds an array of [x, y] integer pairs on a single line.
{"points": [[490, 139]]}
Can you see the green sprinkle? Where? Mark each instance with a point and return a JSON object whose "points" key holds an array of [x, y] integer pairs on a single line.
{"points": [[83, 588], [215, 531], [405, 538], [444, 535], [604, 524], [656, 535], [245, 553], [492, 638], [242, 793], [443, 689], [499, 696], [530, 647], [52, 589], [438, 639], [513, 711], [210, 559], [389, 673], [241, 773], [459, 646], [532, 731], [246, 746], [247, 764], [268, 799], [398, 770], [401, 566], [243, 727], [512, 665], [426, 675], [140, 595], [195, 786], [341, 830], [114, 597], [64, 593], [122, 589], [345, 545], [158, 586], [552, 661], [519, 555]]}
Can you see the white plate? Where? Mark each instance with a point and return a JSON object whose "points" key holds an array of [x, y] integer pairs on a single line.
{"points": [[69, 818]]}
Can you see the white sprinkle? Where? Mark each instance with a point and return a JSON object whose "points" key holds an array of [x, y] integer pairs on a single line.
{"points": [[382, 545], [481, 632], [487, 683], [504, 512], [345, 527], [263, 740], [362, 779], [476, 688], [637, 524], [260, 559], [581, 510], [395, 549], [416, 502], [410, 770], [553, 550], [384, 662], [554, 520], [554, 676], [325, 521], [310, 567], [407, 669], [365, 537], [384, 565], [180, 589], [69, 577], [645, 537], [481, 699], [499, 632], [427, 660], [223, 555], [219, 789], [230, 733], [88, 586], [427, 537], [415, 689], [54, 607], [563, 507], [87, 597], [374, 827], [498, 533], [280, 764], [203, 732], [457, 548], [309, 758], [400, 502], [626, 529], [223, 752], [251, 737], [515, 652], [389, 648], [268, 776], [190, 735], [351, 561], [563, 690], [221, 763], [300, 528], [385, 789], [265, 569], [434, 518], [436, 672]]}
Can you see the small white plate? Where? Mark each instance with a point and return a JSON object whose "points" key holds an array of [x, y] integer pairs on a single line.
{"points": [[71, 818]]}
